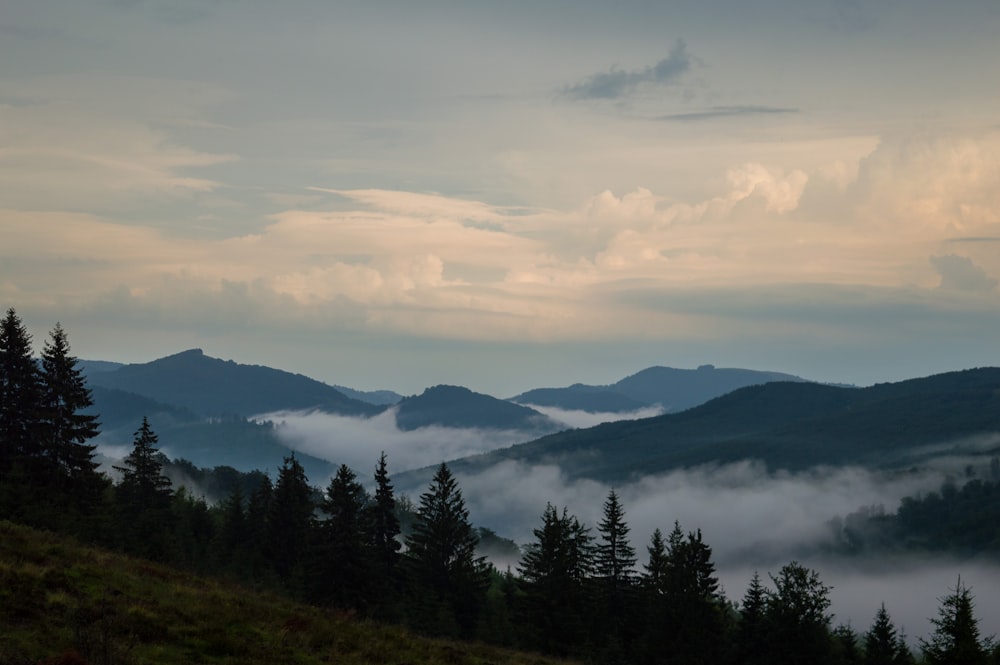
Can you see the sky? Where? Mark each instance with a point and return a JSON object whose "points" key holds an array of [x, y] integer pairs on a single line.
{"points": [[390, 194]]}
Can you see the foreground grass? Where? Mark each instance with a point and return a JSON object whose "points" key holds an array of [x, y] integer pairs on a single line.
{"points": [[65, 604]]}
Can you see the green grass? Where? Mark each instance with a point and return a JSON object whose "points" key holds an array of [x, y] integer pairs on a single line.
{"points": [[66, 604]]}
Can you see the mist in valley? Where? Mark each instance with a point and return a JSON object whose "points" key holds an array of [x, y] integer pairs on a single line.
{"points": [[754, 518]]}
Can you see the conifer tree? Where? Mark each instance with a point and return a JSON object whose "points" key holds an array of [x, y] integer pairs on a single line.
{"points": [[956, 639], [450, 581], [383, 525], [884, 645], [20, 395], [554, 569], [752, 631], [67, 429], [142, 498], [614, 556], [689, 602], [340, 571], [289, 521], [656, 568], [383, 531]]}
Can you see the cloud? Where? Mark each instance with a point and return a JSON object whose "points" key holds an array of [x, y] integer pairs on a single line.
{"points": [[959, 273], [357, 442], [582, 419], [619, 83], [722, 112]]}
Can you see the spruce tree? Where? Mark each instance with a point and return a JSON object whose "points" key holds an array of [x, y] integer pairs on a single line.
{"points": [[956, 639], [383, 524], [554, 569], [142, 498], [20, 397], [340, 571], [656, 568], [67, 429], [614, 561], [383, 531], [884, 645], [752, 639], [614, 556], [690, 601], [450, 581], [289, 523]]}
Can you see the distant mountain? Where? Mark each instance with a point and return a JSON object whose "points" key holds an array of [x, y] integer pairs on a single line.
{"points": [[784, 424], [454, 406], [94, 366], [234, 441], [673, 389], [212, 387], [376, 397]]}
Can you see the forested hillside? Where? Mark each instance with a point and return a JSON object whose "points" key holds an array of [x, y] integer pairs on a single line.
{"points": [[578, 591]]}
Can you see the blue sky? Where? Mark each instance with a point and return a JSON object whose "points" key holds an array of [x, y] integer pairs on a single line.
{"points": [[506, 195]]}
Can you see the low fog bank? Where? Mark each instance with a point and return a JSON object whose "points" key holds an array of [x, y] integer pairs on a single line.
{"points": [[759, 520], [911, 588], [357, 442], [746, 513], [583, 419]]}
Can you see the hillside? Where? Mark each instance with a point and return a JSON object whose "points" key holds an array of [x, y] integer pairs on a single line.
{"points": [[672, 389], [786, 425], [64, 603], [454, 406], [212, 387]]}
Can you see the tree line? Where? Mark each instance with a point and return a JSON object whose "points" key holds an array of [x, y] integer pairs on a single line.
{"points": [[576, 592]]}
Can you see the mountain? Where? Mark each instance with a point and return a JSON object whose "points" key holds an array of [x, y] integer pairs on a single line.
{"points": [[376, 397], [787, 425], [232, 441], [212, 387], [673, 389], [454, 406]]}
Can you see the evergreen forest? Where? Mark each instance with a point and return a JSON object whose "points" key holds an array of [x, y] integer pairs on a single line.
{"points": [[579, 591]]}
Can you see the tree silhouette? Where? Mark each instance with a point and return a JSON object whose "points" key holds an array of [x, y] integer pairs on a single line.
{"points": [[142, 498], [956, 639], [449, 580]]}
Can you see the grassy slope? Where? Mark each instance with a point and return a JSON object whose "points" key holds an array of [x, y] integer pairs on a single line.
{"points": [[57, 597]]}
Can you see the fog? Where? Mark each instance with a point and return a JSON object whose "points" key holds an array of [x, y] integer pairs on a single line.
{"points": [[910, 587], [754, 518], [357, 442], [583, 419]]}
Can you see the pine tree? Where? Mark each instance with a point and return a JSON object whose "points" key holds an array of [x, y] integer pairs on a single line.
{"points": [[340, 572], [383, 525], [143, 497], [289, 522], [20, 395], [689, 601], [655, 577], [752, 632], [845, 642], [554, 569], [66, 428], [383, 530], [450, 580], [884, 645], [614, 556], [956, 639]]}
